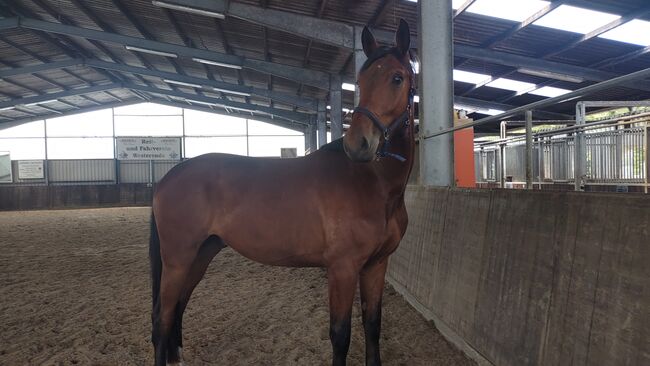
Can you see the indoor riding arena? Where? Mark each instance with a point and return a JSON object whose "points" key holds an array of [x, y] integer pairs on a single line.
{"points": [[514, 134]]}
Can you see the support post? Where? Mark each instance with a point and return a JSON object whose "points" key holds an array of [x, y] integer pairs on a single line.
{"points": [[322, 123], [46, 166], [579, 161], [529, 149], [115, 159], [336, 105], [308, 140], [436, 92], [313, 134], [359, 58]]}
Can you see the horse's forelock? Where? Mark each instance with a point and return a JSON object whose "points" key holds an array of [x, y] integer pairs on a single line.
{"points": [[381, 52]]}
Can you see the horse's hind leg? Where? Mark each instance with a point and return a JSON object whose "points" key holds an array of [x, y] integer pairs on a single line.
{"points": [[172, 282], [208, 250]]}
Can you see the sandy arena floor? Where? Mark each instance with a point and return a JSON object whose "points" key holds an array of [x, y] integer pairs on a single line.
{"points": [[75, 291]]}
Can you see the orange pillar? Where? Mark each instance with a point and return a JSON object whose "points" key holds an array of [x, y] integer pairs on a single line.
{"points": [[464, 154]]}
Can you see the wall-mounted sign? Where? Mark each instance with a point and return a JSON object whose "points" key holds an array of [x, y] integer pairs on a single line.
{"points": [[30, 169], [288, 152], [5, 167], [148, 148]]}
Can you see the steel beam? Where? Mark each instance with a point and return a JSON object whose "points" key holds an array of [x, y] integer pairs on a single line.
{"points": [[275, 122], [517, 61], [297, 101], [461, 9], [63, 94], [310, 77], [485, 104], [225, 103], [325, 31], [436, 92], [524, 24], [17, 122], [322, 30], [41, 67], [8, 23], [607, 27]]}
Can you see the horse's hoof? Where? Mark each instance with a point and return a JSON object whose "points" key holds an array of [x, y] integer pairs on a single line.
{"points": [[180, 359]]}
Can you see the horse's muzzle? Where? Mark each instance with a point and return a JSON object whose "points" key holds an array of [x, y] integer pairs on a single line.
{"points": [[364, 151]]}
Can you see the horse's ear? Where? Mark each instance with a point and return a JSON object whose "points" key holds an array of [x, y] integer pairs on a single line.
{"points": [[368, 41], [403, 37]]}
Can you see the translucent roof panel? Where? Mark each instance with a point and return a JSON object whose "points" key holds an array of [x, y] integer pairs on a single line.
{"points": [[515, 10], [455, 4], [470, 77], [509, 84], [574, 19], [635, 31], [549, 91]]}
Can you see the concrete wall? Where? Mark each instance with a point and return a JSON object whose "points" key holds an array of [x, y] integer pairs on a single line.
{"points": [[73, 196], [531, 278]]}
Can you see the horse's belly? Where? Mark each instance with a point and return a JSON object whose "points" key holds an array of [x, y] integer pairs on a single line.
{"points": [[275, 240]]}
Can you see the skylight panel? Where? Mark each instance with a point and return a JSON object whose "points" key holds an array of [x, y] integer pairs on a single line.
{"points": [[470, 77], [455, 4], [635, 31], [508, 84], [577, 20], [515, 10], [490, 112], [348, 86], [549, 91]]}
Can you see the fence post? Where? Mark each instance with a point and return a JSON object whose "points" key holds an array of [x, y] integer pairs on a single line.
{"points": [[647, 157], [150, 173], [579, 161], [646, 139], [529, 149], [502, 153]]}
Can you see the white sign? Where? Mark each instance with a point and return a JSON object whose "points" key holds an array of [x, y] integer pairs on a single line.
{"points": [[5, 168], [148, 148], [30, 169]]}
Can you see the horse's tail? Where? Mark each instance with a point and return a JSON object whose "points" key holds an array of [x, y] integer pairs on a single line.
{"points": [[155, 261]]}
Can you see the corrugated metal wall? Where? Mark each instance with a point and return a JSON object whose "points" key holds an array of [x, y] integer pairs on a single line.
{"points": [[134, 171], [93, 170], [160, 168], [97, 171]]}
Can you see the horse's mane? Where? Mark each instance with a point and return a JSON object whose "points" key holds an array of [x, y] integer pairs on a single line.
{"points": [[336, 145]]}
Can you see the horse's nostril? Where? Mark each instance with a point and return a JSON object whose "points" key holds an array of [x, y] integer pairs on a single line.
{"points": [[364, 144]]}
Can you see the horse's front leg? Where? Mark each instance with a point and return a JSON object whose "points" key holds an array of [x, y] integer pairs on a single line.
{"points": [[342, 283], [371, 284]]}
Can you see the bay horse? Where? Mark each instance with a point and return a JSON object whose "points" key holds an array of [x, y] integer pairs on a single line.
{"points": [[341, 207]]}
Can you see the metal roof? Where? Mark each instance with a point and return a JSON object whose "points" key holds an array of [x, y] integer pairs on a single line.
{"points": [[66, 49]]}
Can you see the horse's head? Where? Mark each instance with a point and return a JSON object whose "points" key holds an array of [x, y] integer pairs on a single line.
{"points": [[385, 82]]}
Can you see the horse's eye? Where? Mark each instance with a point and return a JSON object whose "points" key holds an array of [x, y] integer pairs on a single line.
{"points": [[397, 79]]}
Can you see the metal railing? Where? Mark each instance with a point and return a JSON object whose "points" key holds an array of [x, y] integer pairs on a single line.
{"points": [[610, 152]]}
